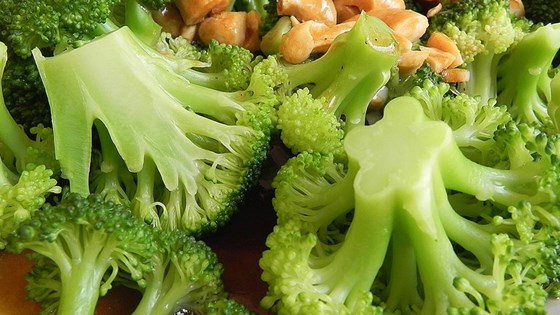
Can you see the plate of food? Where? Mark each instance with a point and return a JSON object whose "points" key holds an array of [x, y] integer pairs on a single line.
{"points": [[279, 157]]}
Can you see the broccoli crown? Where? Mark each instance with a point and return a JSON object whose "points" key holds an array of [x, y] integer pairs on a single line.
{"points": [[478, 26], [473, 121], [525, 76], [24, 93], [342, 81], [483, 30], [219, 66], [541, 11], [194, 150], [57, 24], [21, 196], [186, 275], [84, 243], [17, 148], [404, 226]]}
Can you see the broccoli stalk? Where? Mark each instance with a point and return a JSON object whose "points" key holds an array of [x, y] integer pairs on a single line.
{"points": [[336, 89], [390, 239], [194, 150], [524, 75], [483, 30], [85, 243]]}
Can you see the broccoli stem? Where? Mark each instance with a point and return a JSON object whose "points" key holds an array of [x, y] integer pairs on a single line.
{"points": [[347, 277], [483, 70], [349, 91]]}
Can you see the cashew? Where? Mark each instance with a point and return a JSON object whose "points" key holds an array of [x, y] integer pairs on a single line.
{"points": [[443, 42], [234, 28], [411, 60], [347, 9], [408, 23], [309, 37], [434, 10], [194, 11], [455, 75], [438, 60], [308, 10], [517, 7], [170, 20]]}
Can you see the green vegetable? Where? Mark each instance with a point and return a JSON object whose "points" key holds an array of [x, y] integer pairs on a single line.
{"points": [[411, 225], [541, 11], [194, 150], [28, 169], [80, 245], [330, 95], [483, 30], [186, 275]]}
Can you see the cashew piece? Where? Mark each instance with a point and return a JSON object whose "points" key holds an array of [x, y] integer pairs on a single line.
{"points": [[308, 10]]}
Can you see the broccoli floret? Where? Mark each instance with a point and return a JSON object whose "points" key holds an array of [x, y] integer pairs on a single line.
{"points": [[483, 30], [218, 66], [186, 275], [84, 243], [337, 87], [381, 235], [473, 122], [553, 107], [23, 92], [194, 150], [524, 76], [542, 11], [28, 170], [55, 25]]}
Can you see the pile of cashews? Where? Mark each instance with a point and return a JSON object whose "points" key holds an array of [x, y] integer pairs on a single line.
{"points": [[314, 24]]}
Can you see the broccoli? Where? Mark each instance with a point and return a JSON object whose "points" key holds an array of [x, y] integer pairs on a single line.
{"points": [[525, 74], [473, 122], [483, 30], [194, 150], [541, 11], [218, 66], [80, 245], [330, 95], [55, 25], [186, 275], [24, 93], [28, 169], [383, 233]]}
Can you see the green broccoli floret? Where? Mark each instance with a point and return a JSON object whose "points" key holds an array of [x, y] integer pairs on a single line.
{"points": [[23, 92], [542, 11], [381, 235], [218, 66], [194, 150], [55, 25], [186, 275], [337, 87], [17, 148], [28, 169], [483, 30], [85, 243], [473, 122], [525, 75]]}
